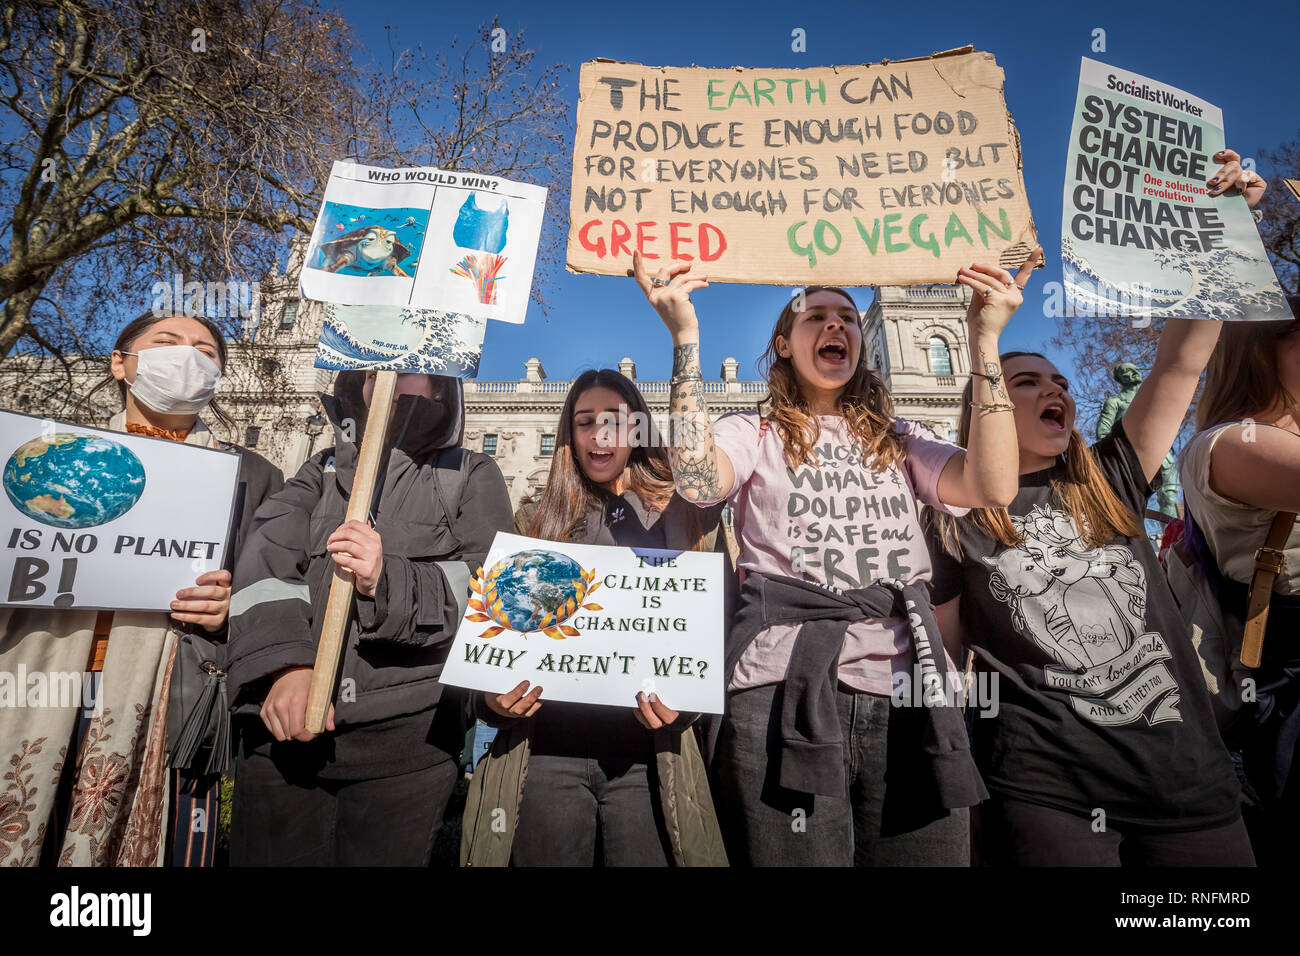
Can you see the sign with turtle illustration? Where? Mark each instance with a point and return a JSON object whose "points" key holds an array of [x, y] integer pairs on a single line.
{"points": [[99, 519], [423, 238], [594, 624]]}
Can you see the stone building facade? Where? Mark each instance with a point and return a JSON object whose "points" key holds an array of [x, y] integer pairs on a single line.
{"points": [[915, 335]]}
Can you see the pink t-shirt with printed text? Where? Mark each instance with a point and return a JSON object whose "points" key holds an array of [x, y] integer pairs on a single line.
{"points": [[837, 523]]}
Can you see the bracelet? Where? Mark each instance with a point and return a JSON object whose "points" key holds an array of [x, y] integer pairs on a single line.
{"points": [[994, 380], [678, 379], [993, 407]]}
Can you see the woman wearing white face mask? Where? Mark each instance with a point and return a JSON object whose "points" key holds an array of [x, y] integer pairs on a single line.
{"points": [[98, 790]]}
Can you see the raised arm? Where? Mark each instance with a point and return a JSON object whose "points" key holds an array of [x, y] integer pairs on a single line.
{"points": [[986, 474], [703, 472], [1153, 420]]}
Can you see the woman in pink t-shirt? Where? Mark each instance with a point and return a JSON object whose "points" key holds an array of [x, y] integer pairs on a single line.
{"points": [[825, 482]]}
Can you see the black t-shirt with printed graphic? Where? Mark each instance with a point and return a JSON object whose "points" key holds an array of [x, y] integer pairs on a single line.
{"points": [[1101, 704]]}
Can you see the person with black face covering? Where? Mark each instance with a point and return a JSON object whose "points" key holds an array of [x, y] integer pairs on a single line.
{"points": [[372, 789]]}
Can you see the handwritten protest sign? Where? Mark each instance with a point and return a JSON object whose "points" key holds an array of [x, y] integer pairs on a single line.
{"points": [[898, 173], [594, 625], [1140, 235], [425, 238], [402, 339], [100, 519]]}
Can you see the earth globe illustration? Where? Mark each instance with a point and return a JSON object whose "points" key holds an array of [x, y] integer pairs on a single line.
{"points": [[531, 590], [73, 481]]}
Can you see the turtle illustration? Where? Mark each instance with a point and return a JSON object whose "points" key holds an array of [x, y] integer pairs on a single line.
{"points": [[373, 250]]}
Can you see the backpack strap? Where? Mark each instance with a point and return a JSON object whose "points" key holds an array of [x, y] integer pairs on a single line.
{"points": [[1270, 561]]}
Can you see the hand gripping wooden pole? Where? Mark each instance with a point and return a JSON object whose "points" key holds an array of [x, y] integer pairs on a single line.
{"points": [[339, 609]]}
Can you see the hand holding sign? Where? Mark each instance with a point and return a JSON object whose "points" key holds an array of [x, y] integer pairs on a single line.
{"points": [[995, 294], [517, 702], [651, 712], [205, 604], [669, 292], [1232, 174]]}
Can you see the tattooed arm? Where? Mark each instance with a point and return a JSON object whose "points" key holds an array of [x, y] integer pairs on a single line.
{"points": [[702, 471], [987, 474]]}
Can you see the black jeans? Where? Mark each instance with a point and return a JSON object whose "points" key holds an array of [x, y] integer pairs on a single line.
{"points": [[1017, 833], [279, 820], [881, 819], [583, 811]]}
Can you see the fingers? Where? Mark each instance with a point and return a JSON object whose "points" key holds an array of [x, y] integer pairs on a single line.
{"points": [[690, 285], [199, 607], [993, 272], [509, 699], [272, 721], [639, 273], [220, 578], [673, 272], [515, 703], [661, 710], [329, 718], [1027, 267], [1226, 156], [651, 713], [209, 592]]}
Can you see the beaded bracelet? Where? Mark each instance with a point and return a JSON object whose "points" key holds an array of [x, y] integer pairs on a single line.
{"points": [[993, 407]]}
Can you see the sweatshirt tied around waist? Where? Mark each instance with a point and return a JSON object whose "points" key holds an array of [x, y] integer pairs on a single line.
{"points": [[812, 747]]}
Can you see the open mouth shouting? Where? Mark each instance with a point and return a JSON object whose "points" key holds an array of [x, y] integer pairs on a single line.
{"points": [[1053, 415], [834, 353], [600, 459]]}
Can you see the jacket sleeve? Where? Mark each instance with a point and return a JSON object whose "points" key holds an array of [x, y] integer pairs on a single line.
{"points": [[419, 603], [271, 604]]}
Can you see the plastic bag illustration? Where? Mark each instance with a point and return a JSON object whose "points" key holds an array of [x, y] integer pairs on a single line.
{"points": [[483, 229]]}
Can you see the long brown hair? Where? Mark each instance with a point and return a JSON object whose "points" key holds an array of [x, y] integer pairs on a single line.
{"points": [[1083, 491], [1241, 380], [864, 402], [570, 494]]}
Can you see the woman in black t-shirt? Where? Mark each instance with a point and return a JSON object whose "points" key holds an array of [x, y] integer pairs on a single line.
{"points": [[1094, 732]]}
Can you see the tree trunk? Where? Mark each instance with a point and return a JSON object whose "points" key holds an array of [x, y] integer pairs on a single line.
{"points": [[17, 315]]}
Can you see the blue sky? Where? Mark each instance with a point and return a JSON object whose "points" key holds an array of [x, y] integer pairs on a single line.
{"points": [[1241, 58]]}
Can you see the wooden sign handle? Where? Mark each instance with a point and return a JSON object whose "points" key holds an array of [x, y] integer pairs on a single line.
{"points": [[338, 610]]}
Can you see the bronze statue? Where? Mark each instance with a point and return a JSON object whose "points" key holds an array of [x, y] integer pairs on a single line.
{"points": [[1129, 378]]}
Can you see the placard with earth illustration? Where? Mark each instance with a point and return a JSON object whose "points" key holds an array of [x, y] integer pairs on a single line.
{"points": [[594, 625], [99, 519]]}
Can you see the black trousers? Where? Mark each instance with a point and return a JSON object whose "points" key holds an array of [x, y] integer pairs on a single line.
{"points": [[293, 820], [1017, 833]]}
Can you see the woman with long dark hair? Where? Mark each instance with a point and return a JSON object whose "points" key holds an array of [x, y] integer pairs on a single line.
{"points": [[1096, 738], [815, 766], [1240, 470], [115, 802], [604, 785]]}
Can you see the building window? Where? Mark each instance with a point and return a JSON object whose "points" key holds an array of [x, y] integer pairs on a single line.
{"points": [[548, 445], [251, 436], [952, 435], [289, 315], [489, 444], [940, 357]]}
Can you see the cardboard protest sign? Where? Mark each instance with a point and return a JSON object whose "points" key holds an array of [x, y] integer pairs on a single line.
{"points": [[1140, 236], [594, 625], [100, 519], [1293, 187], [425, 238], [896, 174], [401, 339]]}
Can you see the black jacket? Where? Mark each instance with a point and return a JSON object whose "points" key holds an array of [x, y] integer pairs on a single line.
{"points": [[438, 509]]}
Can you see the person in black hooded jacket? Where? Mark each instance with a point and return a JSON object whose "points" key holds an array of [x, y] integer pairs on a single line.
{"points": [[373, 788]]}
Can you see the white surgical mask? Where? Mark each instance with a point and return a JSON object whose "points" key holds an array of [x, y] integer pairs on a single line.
{"points": [[174, 379]]}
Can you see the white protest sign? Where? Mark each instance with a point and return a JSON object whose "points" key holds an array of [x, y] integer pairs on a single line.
{"points": [[594, 625], [1141, 237], [425, 238], [100, 519]]}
